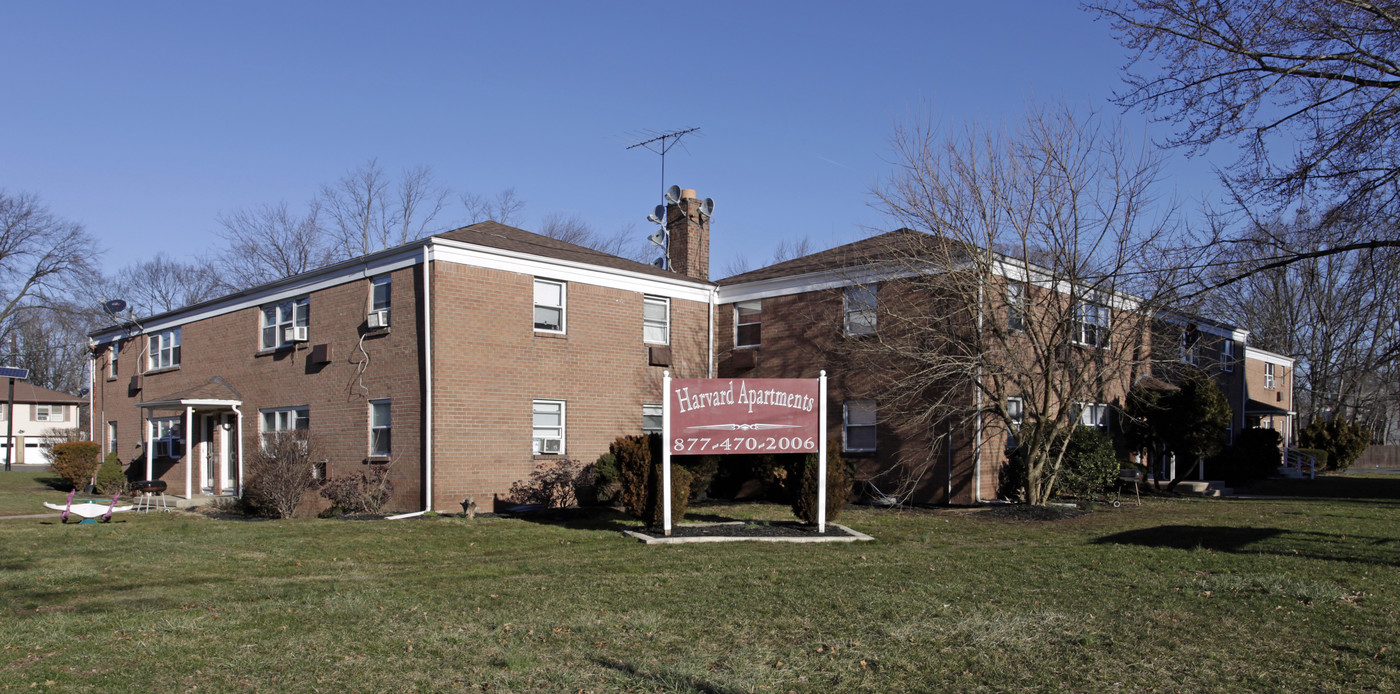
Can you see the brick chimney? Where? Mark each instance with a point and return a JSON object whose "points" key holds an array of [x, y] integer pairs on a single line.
{"points": [[689, 229]]}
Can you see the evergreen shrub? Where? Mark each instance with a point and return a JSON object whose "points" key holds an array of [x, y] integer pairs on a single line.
{"points": [[110, 478], [839, 480], [76, 461], [639, 472], [1344, 441]]}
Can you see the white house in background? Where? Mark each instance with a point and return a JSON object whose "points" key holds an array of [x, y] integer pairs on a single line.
{"points": [[39, 412]]}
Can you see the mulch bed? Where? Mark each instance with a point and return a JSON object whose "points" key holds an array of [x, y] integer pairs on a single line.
{"points": [[782, 529]]}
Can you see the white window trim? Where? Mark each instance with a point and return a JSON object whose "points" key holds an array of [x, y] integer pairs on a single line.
{"points": [[46, 412], [737, 324], [164, 350], [1099, 416], [656, 411], [846, 426], [112, 437], [1016, 421], [1089, 314], [1016, 306], [115, 351], [1270, 379], [666, 325], [374, 284], [300, 316], [563, 307], [297, 415], [1227, 355], [855, 310], [165, 434], [536, 444], [387, 428]]}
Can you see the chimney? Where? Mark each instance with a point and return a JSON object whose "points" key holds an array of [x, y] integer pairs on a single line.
{"points": [[688, 226]]}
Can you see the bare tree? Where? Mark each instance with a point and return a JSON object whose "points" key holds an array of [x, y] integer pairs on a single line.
{"points": [[786, 250], [1015, 293], [504, 208], [1308, 89], [626, 243], [52, 344], [165, 284], [365, 211], [270, 242], [42, 256]]}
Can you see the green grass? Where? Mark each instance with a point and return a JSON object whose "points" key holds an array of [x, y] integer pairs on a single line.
{"points": [[23, 492], [1176, 595]]}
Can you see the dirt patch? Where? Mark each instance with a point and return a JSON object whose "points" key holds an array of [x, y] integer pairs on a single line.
{"points": [[757, 529]]}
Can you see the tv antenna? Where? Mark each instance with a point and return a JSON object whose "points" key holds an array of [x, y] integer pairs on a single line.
{"points": [[661, 143]]}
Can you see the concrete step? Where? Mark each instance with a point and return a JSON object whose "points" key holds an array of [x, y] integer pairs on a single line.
{"points": [[1204, 488]]}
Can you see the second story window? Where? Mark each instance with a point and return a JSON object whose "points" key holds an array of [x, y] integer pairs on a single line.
{"points": [[381, 292], [281, 320], [656, 320], [549, 306], [165, 350], [1016, 306], [748, 323], [1092, 324], [50, 413], [115, 351], [1227, 355], [860, 310], [1269, 381], [1093, 414]]}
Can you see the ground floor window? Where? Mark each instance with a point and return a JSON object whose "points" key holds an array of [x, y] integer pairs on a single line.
{"points": [[379, 429], [111, 437], [651, 419], [1093, 414], [548, 427], [285, 419], [858, 425], [167, 433]]}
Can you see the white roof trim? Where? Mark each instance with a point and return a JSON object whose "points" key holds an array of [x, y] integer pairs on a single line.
{"points": [[1268, 357], [191, 402]]}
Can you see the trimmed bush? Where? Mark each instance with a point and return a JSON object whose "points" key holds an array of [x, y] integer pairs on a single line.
{"points": [[1344, 441], [76, 461], [110, 478], [553, 484], [1089, 466], [680, 495], [607, 489], [838, 486]]}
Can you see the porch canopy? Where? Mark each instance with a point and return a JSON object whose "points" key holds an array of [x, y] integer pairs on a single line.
{"points": [[213, 397]]}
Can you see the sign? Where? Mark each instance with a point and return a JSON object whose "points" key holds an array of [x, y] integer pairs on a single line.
{"points": [[730, 416], [14, 372]]}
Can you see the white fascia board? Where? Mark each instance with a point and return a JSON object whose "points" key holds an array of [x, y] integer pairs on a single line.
{"points": [[569, 271], [1268, 357], [1207, 327], [810, 282], [1039, 276], [286, 289], [172, 404]]}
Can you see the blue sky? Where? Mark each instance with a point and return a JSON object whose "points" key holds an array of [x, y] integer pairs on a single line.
{"points": [[144, 121]]}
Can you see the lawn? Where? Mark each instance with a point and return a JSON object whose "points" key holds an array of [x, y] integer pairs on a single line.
{"points": [[1297, 593]]}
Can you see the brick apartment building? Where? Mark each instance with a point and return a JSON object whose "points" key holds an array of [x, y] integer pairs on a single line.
{"points": [[463, 360], [459, 361]]}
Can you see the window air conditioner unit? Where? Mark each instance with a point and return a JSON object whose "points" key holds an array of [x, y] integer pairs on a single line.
{"points": [[551, 445], [378, 319], [295, 333]]}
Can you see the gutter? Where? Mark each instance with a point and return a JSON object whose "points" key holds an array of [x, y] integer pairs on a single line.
{"points": [[427, 390]]}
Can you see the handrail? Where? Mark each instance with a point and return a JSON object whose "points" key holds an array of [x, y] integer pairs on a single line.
{"points": [[1296, 458]]}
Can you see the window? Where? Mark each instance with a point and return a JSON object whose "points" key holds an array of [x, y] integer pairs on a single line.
{"points": [[1016, 412], [1016, 306], [166, 434], [111, 437], [115, 350], [1227, 355], [858, 425], [276, 318], [652, 419], [1269, 382], [50, 413], [1191, 346], [380, 294], [860, 310], [548, 431], [285, 419], [379, 438], [656, 320], [748, 323], [549, 306], [1093, 414], [165, 350], [1093, 324]]}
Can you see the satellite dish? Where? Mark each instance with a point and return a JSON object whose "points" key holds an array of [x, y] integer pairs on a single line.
{"points": [[659, 238], [658, 216], [673, 194], [660, 263], [708, 207], [653, 218], [114, 306]]}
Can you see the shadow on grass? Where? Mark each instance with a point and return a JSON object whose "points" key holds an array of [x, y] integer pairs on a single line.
{"points": [[601, 518], [667, 681], [1358, 489], [1245, 540]]}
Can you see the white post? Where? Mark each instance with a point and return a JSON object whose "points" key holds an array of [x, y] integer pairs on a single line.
{"points": [[821, 455], [150, 446], [666, 452], [188, 435]]}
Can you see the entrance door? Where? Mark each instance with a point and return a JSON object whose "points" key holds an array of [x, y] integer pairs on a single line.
{"points": [[226, 455], [207, 454]]}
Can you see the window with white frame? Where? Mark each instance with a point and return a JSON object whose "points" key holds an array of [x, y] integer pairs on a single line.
{"points": [[165, 350], [50, 413], [282, 420], [1016, 412], [1269, 381], [381, 291], [114, 351], [748, 323], [1093, 414], [1191, 346], [166, 434], [651, 419], [1227, 355], [656, 320], [1016, 306], [111, 437], [860, 303], [1093, 324], [379, 433], [548, 427], [549, 306], [858, 425], [279, 317]]}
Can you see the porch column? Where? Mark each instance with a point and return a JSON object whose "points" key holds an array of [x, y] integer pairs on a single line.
{"points": [[238, 436], [189, 452], [150, 446]]}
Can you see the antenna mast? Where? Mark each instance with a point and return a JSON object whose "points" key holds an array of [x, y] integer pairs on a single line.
{"points": [[661, 144]]}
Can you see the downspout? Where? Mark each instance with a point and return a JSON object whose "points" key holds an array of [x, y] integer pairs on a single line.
{"points": [[239, 413], [427, 387], [714, 296], [977, 393]]}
